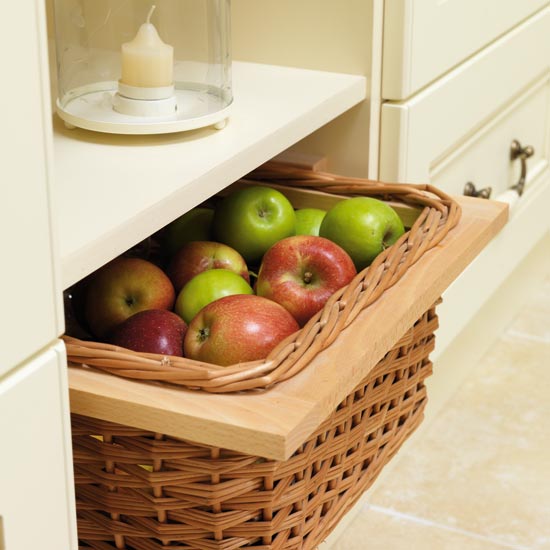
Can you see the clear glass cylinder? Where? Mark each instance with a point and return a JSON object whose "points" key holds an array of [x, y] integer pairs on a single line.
{"points": [[89, 40]]}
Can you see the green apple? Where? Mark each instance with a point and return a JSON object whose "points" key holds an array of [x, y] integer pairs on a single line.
{"points": [[194, 225], [207, 287], [308, 221], [252, 219], [363, 227]]}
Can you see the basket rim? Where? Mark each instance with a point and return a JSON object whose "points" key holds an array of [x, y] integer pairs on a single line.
{"points": [[439, 215]]}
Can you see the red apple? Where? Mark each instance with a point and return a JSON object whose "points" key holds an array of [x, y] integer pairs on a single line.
{"points": [[300, 273], [151, 331], [124, 287], [198, 256], [236, 329]]}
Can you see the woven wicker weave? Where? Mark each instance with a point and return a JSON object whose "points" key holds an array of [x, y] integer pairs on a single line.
{"points": [[138, 490], [439, 215]]}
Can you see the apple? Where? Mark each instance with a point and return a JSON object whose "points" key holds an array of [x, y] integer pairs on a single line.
{"points": [[301, 273], [194, 225], [308, 221], [151, 331], [363, 227], [198, 256], [124, 287], [236, 329], [253, 219], [205, 288], [74, 302]]}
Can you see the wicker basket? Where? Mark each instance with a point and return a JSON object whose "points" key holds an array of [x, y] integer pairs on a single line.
{"points": [[431, 215], [138, 490]]}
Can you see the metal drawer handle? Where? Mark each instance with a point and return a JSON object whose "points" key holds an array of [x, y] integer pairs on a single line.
{"points": [[471, 191], [523, 153], [516, 151]]}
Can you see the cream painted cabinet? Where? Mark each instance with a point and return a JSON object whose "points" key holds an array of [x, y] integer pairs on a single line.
{"points": [[423, 39], [31, 298], [460, 129], [36, 488], [36, 503], [421, 134]]}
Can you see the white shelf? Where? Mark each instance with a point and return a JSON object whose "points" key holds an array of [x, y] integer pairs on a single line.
{"points": [[114, 191]]}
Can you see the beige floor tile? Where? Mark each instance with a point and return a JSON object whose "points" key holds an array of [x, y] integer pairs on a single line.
{"points": [[483, 466], [534, 319], [373, 530]]}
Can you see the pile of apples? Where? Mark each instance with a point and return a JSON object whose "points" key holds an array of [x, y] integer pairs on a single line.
{"points": [[197, 299]]}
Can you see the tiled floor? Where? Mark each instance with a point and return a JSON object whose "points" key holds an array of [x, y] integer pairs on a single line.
{"points": [[479, 476]]}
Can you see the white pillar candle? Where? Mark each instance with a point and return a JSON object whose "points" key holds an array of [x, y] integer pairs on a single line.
{"points": [[147, 62]]}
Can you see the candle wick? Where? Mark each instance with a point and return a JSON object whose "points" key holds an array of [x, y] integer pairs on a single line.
{"points": [[150, 13]]}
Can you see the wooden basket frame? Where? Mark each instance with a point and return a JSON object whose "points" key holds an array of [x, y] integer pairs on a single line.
{"points": [[440, 213]]}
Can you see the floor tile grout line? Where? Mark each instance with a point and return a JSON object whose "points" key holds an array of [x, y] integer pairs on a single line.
{"points": [[526, 336], [429, 523]]}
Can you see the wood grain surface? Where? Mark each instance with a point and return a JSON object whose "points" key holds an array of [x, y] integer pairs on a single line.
{"points": [[275, 422]]}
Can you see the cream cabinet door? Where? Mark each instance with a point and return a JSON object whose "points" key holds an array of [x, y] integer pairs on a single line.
{"points": [[30, 296], [484, 159], [36, 488], [418, 135], [423, 39], [460, 129]]}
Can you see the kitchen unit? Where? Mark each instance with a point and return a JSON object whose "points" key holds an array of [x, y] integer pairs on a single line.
{"points": [[36, 473], [460, 128], [400, 112]]}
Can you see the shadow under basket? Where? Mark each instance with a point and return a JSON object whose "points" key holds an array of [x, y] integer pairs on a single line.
{"points": [[140, 490]]}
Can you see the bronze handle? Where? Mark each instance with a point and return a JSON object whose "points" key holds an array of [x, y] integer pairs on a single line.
{"points": [[471, 191], [523, 153], [516, 151]]}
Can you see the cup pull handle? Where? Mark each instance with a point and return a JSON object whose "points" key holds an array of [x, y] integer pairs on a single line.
{"points": [[523, 153], [471, 191]]}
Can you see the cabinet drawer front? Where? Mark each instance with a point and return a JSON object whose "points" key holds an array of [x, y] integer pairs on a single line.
{"points": [[484, 159], [529, 223], [423, 39], [418, 135], [460, 129]]}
